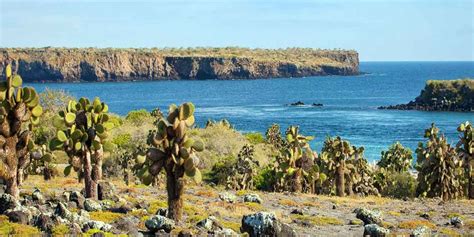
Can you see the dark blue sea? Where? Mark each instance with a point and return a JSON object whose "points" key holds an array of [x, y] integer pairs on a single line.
{"points": [[350, 103]]}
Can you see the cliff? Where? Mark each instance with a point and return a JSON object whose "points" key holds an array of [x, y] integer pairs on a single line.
{"points": [[91, 64], [442, 95]]}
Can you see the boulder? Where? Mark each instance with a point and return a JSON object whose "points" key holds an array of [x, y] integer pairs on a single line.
{"points": [[37, 196], [369, 216], [225, 232], [78, 198], [374, 230], [158, 222], [252, 197], [421, 231], [456, 221], [227, 197], [99, 225], [210, 224], [126, 224], [7, 201], [297, 212], [106, 191], [91, 205], [265, 224], [44, 222], [22, 216], [162, 212]]}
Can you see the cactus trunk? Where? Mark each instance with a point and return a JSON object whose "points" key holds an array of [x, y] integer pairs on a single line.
{"points": [[175, 188], [12, 186], [470, 185], [20, 176], [340, 180], [90, 184]]}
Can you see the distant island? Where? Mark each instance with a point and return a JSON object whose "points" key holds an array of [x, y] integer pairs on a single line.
{"points": [[109, 64], [442, 95]]}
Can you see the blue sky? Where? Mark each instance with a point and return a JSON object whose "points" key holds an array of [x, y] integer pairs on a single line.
{"points": [[396, 30]]}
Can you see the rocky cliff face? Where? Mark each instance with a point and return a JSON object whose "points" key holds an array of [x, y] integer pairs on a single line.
{"points": [[71, 65]]}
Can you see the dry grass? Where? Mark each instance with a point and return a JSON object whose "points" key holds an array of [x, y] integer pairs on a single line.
{"points": [[449, 232], [319, 220], [13, 229], [412, 224], [289, 202], [105, 216]]}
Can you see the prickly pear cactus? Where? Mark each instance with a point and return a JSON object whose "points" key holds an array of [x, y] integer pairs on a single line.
{"points": [[360, 177], [224, 123], [335, 153], [19, 107], [397, 158], [295, 167], [273, 136], [42, 162], [440, 169], [174, 151], [465, 148], [242, 174], [82, 131]]}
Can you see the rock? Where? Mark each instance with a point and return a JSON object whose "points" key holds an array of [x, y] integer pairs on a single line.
{"points": [[162, 211], [185, 233], [44, 222], [456, 221], [22, 216], [124, 208], [298, 103], [7, 201], [106, 191], [210, 224], [78, 198], [225, 232], [421, 231], [425, 215], [368, 216], [37, 196], [252, 197], [126, 224], [297, 212], [91, 205], [65, 197], [227, 197], [158, 222], [264, 224], [374, 230], [72, 205], [99, 225], [317, 105], [334, 207], [98, 234], [62, 211]]}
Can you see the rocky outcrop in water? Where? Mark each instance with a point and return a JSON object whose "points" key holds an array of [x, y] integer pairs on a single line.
{"points": [[442, 95], [90, 64]]}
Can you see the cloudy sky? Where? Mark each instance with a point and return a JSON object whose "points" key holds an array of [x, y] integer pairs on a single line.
{"points": [[393, 30]]}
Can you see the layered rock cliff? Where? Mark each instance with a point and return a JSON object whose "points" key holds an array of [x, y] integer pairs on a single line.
{"points": [[90, 64]]}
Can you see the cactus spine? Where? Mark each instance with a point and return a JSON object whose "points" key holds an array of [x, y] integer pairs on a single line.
{"points": [[174, 151], [465, 148], [82, 131], [440, 169], [19, 106]]}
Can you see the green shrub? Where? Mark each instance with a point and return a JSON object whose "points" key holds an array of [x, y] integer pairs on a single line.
{"points": [[265, 179], [221, 170], [400, 185], [255, 138], [122, 140], [138, 116]]}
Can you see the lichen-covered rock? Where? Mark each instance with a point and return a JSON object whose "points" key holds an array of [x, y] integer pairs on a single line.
{"points": [[106, 191], [456, 221], [369, 216], [37, 196], [225, 232], [265, 224], [7, 201], [252, 197], [227, 197], [421, 231], [158, 222], [91, 205], [126, 224], [99, 225], [210, 224], [44, 222], [374, 230], [78, 198], [19, 215], [162, 212]]}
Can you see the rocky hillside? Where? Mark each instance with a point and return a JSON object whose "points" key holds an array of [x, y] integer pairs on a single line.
{"points": [[442, 95], [90, 64]]}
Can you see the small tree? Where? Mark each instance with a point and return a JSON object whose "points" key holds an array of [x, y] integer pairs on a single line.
{"points": [[465, 148], [396, 159], [245, 169], [19, 112], [440, 169], [82, 131], [174, 151]]}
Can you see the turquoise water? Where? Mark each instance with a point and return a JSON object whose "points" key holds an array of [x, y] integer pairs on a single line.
{"points": [[350, 103]]}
